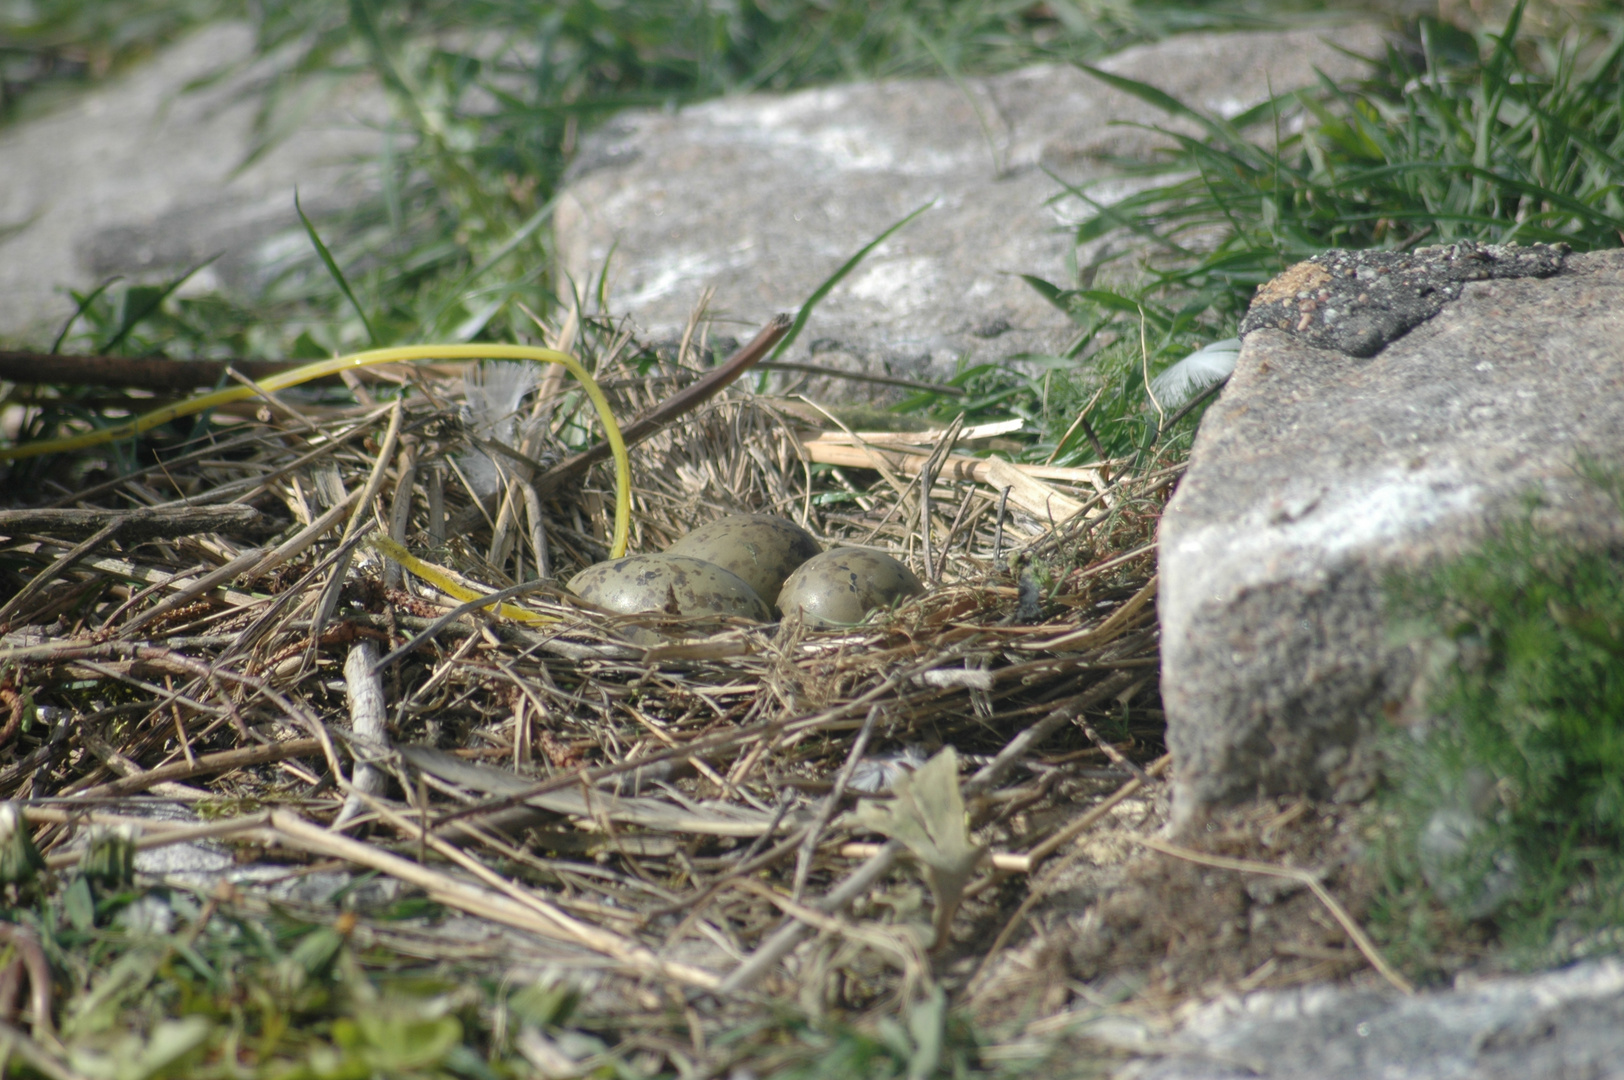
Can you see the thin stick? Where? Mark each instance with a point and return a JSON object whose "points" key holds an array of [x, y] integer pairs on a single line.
{"points": [[142, 523], [274, 402], [361, 517], [139, 372], [814, 831], [538, 531], [787, 936], [697, 747], [122, 765], [1190, 406], [186, 666], [927, 475], [529, 913], [224, 761], [1029, 863], [436, 495], [296, 545], [400, 510], [990, 773], [924, 525], [1116, 756], [477, 604], [861, 376], [207, 583], [998, 533], [1144, 363], [1082, 422], [966, 500], [213, 448], [1112, 627], [1086, 822], [367, 712]]}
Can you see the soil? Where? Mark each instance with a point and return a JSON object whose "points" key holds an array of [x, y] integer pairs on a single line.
{"points": [[1117, 924]]}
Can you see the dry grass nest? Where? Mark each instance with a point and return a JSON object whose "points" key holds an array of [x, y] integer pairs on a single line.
{"points": [[193, 651]]}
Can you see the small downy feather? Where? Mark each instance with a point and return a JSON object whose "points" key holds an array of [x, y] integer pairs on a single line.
{"points": [[1187, 378], [492, 394]]}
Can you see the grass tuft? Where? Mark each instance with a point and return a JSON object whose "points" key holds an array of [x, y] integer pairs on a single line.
{"points": [[1492, 137]]}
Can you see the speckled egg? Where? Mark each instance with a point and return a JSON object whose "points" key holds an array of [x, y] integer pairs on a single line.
{"points": [[761, 548], [841, 586], [669, 584]]}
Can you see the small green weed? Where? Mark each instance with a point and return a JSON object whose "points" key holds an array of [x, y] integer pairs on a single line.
{"points": [[162, 984], [1509, 807], [261, 994]]}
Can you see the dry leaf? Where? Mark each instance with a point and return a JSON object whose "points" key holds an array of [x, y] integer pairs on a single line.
{"points": [[927, 816]]}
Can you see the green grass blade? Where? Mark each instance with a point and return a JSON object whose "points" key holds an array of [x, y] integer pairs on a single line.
{"points": [[1219, 128], [84, 303], [332, 268], [1050, 292], [524, 232], [150, 304], [1124, 214]]}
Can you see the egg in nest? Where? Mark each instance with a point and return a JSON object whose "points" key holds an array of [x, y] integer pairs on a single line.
{"points": [[670, 585], [840, 587], [762, 549]]}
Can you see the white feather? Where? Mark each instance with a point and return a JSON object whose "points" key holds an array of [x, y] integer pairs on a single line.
{"points": [[1187, 378], [492, 394]]}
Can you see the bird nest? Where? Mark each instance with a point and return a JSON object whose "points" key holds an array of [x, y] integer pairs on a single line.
{"points": [[203, 645]]}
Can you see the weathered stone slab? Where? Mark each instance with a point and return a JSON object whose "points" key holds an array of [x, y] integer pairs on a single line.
{"points": [[763, 197], [139, 176], [1317, 473], [1561, 1024]]}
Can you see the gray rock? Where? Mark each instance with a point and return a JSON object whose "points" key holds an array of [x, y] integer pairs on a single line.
{"points": [[1566, 1023], [139, 176], [763, 197], [1319, 473]]}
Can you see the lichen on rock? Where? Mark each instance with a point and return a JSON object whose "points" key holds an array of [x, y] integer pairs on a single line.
{"points": [[1359, 302]]}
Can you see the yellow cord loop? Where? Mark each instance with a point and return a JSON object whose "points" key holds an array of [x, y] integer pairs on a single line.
{"points": [[401, 354]]}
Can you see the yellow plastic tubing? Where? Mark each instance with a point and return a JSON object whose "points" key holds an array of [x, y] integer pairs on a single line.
{"points": [[437, 576], [401, 354]]}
